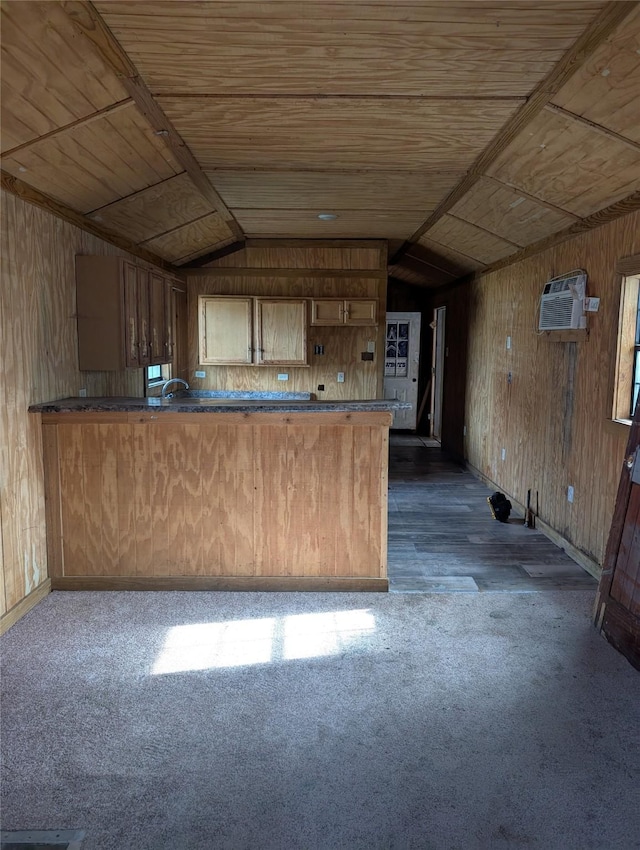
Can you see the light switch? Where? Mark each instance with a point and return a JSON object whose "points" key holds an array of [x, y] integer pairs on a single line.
{"points": [[341, 377]]}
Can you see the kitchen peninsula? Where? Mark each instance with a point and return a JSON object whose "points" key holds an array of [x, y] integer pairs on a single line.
{"points": [[221, 494]]}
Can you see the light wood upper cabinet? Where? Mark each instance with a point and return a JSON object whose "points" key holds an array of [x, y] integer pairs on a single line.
{"points": [[225, 330], [242, 331], [339, 311], [281, 332], [123, 316]]}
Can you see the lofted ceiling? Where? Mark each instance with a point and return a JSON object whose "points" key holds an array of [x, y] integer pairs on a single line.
{"points": [[461, 132]]}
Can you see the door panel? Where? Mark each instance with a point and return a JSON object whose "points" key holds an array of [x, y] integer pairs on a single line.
{"points": [[281, 332], [157, 319], [618, 600], [437, 386], [225, 331], [402, 365], [131, 333]]}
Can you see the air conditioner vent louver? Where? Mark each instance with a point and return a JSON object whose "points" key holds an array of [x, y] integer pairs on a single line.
{"points": [[562, 304]]}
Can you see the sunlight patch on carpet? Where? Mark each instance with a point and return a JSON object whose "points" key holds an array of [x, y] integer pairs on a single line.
{"points": [[238, 643]]}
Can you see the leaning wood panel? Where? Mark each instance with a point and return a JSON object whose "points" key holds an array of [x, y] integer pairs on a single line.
{"points": [[50, 78], [569, 165], [553, 418], [38, 351], [95, 164], [335, 132]]}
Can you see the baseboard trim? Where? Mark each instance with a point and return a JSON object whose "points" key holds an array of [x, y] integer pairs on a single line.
{"points": [[588, 564], [227, 583], [11, 617]]}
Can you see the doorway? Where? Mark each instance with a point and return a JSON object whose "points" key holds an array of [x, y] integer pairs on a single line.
{"points": [[437, 371], [402, 366]]}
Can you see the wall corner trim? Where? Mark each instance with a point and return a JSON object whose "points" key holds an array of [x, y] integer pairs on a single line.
{"points": [[24, 606]]}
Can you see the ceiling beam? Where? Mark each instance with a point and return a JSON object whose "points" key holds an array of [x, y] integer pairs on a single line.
{"points": [[598, 128], [215, 255], [610, 17], [627, 205], [246, 271], [33, 196], [88, 23], [424, 267]]}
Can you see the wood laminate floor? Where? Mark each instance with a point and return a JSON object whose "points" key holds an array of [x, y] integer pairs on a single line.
{"points": [[442, 537]]}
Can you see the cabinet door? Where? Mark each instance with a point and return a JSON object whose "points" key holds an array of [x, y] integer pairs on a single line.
{"points": [[225, 330], [281, 327], [360, 311], [327, 311], [157, 319], [169, 321], [143, 316], [131, 332]]}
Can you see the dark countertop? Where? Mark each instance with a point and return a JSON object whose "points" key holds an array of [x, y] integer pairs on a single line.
{"points": [[213, 405]]}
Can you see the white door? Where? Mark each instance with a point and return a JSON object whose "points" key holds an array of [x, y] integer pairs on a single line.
{"points": [[401, 365], [437, 372]]}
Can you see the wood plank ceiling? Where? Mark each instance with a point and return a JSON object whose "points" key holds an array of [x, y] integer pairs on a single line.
{"points": [[462, 132]]}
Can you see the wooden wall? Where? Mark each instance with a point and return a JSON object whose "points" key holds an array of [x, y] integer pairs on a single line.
{"points": [[347, 268], [38, 353], [553, 419]]}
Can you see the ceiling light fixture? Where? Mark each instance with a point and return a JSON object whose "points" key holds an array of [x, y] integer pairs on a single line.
{"points": [[327, 216]]}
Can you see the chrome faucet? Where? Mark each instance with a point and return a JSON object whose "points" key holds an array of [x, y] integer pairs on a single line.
{"points": [[163, 392]]}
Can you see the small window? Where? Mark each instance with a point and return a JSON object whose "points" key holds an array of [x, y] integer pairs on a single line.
{"points": [[627, 383], [155, 377]]}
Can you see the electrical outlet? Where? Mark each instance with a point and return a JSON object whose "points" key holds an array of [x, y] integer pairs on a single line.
{"points": [[200, 374], [503, 454], [371, 346], [570, 493], [82, 392], [340, 377], [283, 376]]}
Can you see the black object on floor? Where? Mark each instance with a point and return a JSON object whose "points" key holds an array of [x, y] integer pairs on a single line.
{"points": [[500, 507]]}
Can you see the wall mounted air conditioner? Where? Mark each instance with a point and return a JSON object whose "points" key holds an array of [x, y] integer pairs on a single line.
{"points": [[562, 304]]}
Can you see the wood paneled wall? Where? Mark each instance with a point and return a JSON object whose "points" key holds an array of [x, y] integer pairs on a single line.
{"points": [[553, 418], [343, 346], [38, 353]]}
